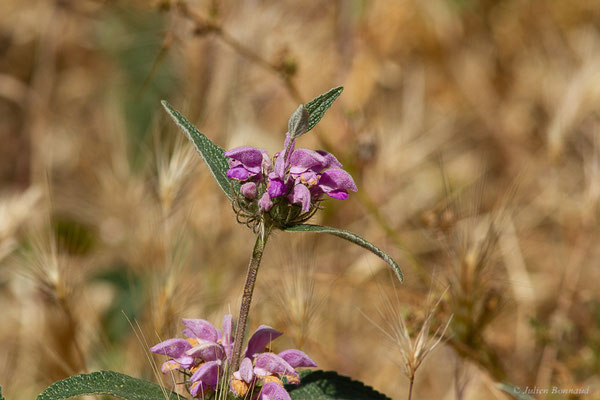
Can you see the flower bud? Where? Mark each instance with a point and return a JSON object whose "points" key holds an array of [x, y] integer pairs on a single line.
{"points": [[248, 189], [265, 203]]}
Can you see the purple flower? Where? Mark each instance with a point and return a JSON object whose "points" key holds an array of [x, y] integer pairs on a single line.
{"points": [[260, 340], [300, 195], [294, 176], [205, 352], [175, 349], [245, 162], [202, 353], [266, 366], [273, 391]]}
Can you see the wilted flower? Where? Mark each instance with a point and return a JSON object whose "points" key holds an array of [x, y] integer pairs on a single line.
{"points": [[290, 186], [205, 354]]}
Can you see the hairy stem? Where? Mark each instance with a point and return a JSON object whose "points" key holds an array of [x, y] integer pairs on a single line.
{"points": [[259, 247]]}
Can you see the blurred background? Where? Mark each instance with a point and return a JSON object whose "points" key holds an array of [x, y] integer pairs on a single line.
{"points": [[470, 126]]}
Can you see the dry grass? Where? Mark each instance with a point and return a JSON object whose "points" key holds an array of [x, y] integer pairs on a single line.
{"points": [[471, 128]]}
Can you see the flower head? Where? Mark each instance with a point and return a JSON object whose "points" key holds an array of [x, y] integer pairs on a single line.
{"points": [[290, 186], [204, 357]]}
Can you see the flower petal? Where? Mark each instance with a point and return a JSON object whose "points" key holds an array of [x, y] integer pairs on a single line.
{"points": [[208, 351], [172, 347], [279, 168], [330, 160], [300, 195], [274, 364], [304, 159], [273, 391], [260, 339], [338, 194], [207, 374], [227, 328], [202, 329], [227, 334], [309, 178], [296, 358], [186, 361], [246, 370], [266, 166], [250, 157], [198, 389], [169, 365], [336, 179], [275, 187], [188, 333], [283, 161], [239, 172]]}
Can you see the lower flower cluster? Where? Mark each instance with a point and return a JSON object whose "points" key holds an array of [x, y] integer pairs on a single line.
{"points": [[204, 356]]}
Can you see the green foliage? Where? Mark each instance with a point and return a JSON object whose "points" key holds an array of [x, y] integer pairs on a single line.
{"points": [[352, 237], [513, 391], [1, 397], [317, 106], [213, 155], [107, 383], [328, 385], [134, 41], [129, 299]]}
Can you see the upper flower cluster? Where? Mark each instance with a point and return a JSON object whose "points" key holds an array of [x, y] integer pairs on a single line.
{"points": [[205, 354], [293, 176]]}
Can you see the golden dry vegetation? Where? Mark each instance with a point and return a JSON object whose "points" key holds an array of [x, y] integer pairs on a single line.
{"points": [[470, 126]]}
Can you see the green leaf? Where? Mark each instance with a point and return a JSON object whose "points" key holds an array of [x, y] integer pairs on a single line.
{"points": [[514, 391], [317, 106], [107, 383], [1, 397], [213, 155], [328, 385], [352, 237]]}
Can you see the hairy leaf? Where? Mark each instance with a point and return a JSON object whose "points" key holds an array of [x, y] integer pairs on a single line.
{"points": [[213, 155], [352, 237], [107, 383], [317, 106], [328, 385], [514, 391]]}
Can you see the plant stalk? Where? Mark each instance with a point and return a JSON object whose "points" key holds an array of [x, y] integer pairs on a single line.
{"points": [[259, 247], [410, 388]]}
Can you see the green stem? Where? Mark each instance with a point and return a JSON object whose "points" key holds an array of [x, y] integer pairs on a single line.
{"points": [[259, 247]]}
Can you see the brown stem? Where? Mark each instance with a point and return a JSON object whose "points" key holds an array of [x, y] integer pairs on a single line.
{"points": [[259, 247], [410, 388]]}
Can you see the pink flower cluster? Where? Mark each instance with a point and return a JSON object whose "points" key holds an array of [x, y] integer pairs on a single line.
{"points": [[204, 355]]}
